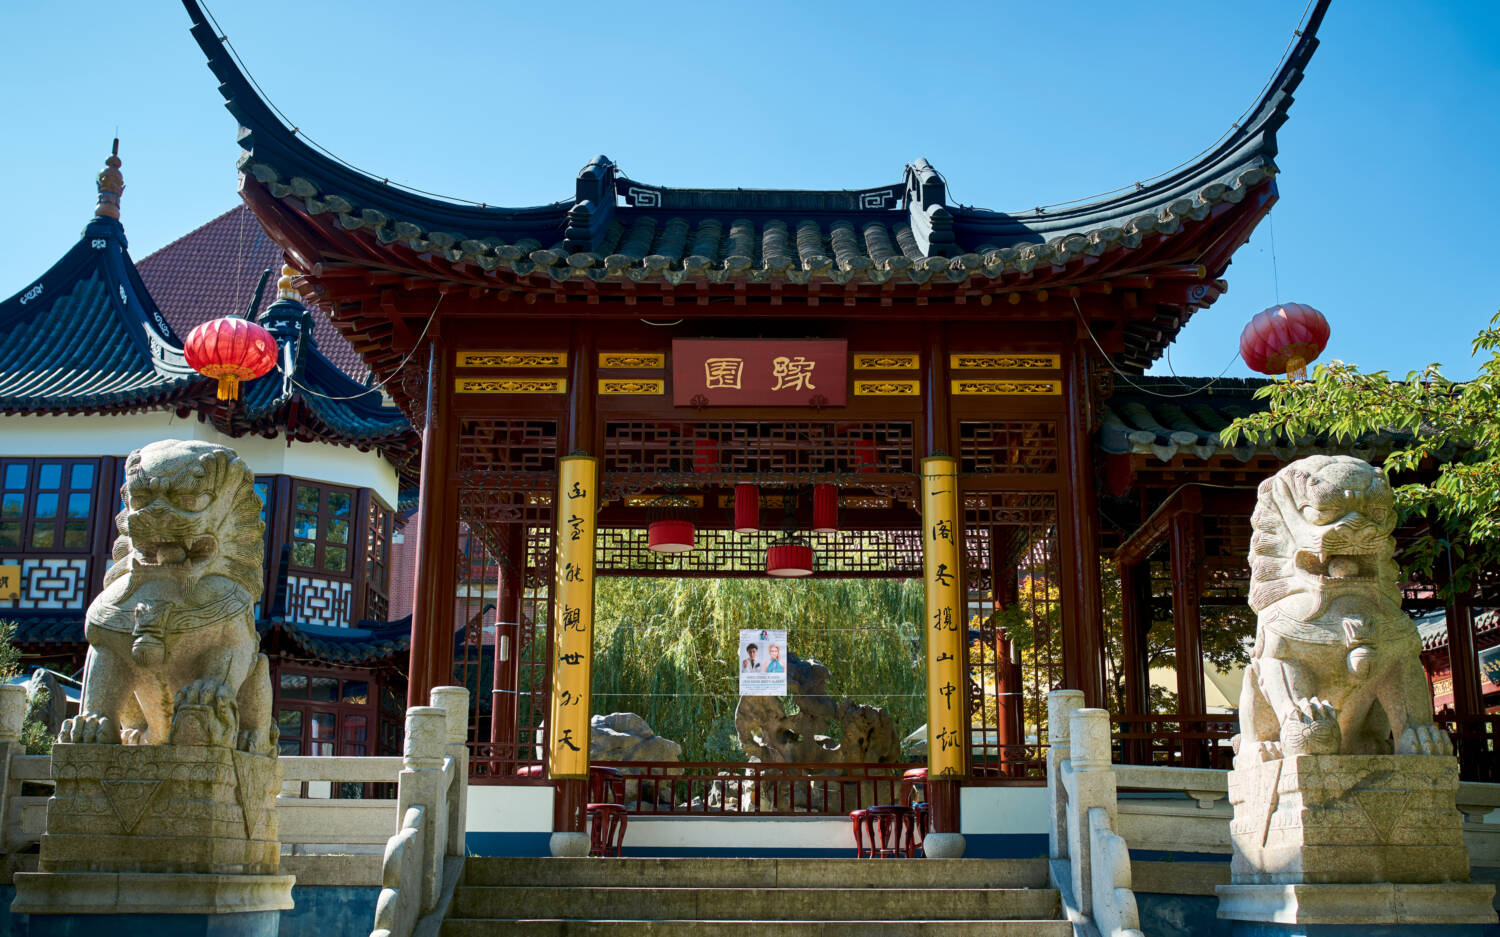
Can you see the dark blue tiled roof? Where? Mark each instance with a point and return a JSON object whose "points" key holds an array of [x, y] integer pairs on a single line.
{"points": [[368, 642], [86, 336]]}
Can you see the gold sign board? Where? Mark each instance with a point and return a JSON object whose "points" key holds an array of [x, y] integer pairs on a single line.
{"points": [[512, 359], [10, 582], [573, 626]]}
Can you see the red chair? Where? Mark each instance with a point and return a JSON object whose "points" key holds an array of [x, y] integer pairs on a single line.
{"points": [[891, 830], [606, 814], [913, 785], [922, 818], [857, 817]]}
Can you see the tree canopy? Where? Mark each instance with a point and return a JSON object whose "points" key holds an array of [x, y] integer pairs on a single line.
{"points": [[1446, 457]]}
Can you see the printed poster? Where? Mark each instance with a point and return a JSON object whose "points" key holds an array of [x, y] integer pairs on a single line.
{"points": [[762, 662]]}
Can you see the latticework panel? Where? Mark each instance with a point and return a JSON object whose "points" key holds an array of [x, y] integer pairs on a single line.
{"points": [[750, 450], [1016, 650], [1015, 447], [874, 553], [504, 447]]}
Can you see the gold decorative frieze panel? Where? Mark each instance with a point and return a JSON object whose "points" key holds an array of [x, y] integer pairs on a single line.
{"points": [[631, 387], [1004, 362], [510, 385], [664, 501], [513, 359], [964, 388], [887, 362], [630, 359], [887, 388]]}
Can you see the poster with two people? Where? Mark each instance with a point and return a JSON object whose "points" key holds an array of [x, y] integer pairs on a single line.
{"points": [[763, 662]]}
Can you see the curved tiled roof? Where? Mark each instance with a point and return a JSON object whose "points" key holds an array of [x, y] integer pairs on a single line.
{"points": [[1166, 417], [87, 336], [367, 642]]}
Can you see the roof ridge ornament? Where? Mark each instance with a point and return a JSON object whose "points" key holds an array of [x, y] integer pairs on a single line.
{"points": [[111, 183]]}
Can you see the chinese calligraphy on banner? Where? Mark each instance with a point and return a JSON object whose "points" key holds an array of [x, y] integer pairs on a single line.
{"points": [[947, 709], [763, 662], [573, 629], [759, 372]]}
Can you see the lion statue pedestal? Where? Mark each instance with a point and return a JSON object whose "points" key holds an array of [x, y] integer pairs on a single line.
{"points": [[164, 814], [1343, 787]]}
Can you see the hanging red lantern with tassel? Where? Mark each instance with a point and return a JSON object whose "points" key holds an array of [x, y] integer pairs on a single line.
{"points": [[230, 350], [789, 560], [1284, 339], [825, 508], [746, 509]]}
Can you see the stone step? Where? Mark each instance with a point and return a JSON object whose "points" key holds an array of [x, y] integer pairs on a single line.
{"points": [[759, 873], [558, 927], [761, 904]]}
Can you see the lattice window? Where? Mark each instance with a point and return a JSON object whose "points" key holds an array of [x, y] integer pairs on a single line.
{"points": [[1016, 651], [757, 449], [876, 553], [507, 447], [1015, 447], [378, 521], [323, 528], [317, 601], [46, 504], [53, 582]]}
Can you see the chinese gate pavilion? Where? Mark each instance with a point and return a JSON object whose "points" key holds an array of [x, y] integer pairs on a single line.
{"points": [[581, 369]]}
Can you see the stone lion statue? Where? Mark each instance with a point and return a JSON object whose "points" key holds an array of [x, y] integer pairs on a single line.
{"points": [[173, 652], [1336, 667]]}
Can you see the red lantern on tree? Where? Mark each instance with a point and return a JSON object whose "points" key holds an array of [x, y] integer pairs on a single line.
{"points": [[1284, 339], [230, 350]]}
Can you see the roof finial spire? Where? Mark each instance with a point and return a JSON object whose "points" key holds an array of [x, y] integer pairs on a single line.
{"points": [[284, 287], [111, 185]]}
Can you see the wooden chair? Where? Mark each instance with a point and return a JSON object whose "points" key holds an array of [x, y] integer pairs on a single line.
{"points": [[891, 830]]}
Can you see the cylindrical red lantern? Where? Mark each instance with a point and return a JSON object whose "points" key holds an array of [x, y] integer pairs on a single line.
{"points": [[1284, 339], [705, 455], [825, 508], [230, 350], [789, 560], [746, 509], [864, 456], [671, 536]]}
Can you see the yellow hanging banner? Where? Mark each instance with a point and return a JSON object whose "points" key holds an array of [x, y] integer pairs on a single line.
{"points": [[573, 618], [947, 701]]}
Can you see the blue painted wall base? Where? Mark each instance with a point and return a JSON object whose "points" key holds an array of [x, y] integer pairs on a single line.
{"points": [[248, 924], [1259, 929]]}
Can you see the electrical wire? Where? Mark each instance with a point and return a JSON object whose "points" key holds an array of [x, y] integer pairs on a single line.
{"points": [[397, 370], [1127, 378]]}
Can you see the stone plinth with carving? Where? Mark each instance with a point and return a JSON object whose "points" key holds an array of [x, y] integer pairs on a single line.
{"points": [[166, 780], [1343, 787], [1347, 818]]}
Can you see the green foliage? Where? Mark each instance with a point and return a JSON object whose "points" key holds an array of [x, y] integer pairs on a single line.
{"points": [[34, 735], [1447, 457], [666, 649]]}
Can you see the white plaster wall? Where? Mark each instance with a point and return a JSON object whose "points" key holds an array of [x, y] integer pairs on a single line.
{"points": [[1002, 810], [519, 809], [116, 435], [741, 832]]}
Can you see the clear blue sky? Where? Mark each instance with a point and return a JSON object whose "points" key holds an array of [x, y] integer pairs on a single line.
{"points": [[1388, 197]]}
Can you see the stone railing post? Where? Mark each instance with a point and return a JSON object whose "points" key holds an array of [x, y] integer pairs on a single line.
{"points": [[1060, 707], [454, 700], [1091, 783], [421, 785], [12, 716]]}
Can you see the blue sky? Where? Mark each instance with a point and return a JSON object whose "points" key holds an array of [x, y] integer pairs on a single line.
{"points": [[1387, 196]]}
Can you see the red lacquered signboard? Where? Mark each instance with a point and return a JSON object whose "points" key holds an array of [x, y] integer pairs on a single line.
{"points": [[770, 372]]}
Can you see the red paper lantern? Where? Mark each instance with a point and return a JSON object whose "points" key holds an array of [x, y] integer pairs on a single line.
{"points": [[1284, 339], [825, 508], [746, 509], [789, 560], [671, 536], [705, 455], [230, 350]]}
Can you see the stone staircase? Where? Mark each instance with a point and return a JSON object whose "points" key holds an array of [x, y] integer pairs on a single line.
{"points": [[754, 897]]}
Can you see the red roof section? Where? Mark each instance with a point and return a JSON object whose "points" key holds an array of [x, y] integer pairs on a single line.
{"points": [[212, 271]]}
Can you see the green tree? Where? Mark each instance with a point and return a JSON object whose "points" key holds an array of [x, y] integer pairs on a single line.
{"points": [[1446, 456], [34, 735]]}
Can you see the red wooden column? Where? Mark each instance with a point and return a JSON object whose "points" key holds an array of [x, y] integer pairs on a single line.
{"points": [[1187, 585], [937, 431], [504, 702], [1135, 607], [437, 536], [1082, 607], [1468, 696], [1010, 703], [568, 814]]}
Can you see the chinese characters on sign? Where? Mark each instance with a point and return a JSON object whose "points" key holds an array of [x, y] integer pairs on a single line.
{"points": [[947, 713], [10, 582], [573, 638], [763, 662], [759, 372]]}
